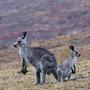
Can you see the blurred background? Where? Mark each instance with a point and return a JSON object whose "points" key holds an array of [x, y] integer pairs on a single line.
{"points": [[43, 19]]}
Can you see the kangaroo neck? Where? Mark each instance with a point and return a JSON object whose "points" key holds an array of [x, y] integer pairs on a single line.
{"points": [[25, 52], [23, 48], [73, 60]]}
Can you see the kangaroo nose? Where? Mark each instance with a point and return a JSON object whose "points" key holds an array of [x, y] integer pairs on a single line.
{"points": [[15, 45], [79, 55]]}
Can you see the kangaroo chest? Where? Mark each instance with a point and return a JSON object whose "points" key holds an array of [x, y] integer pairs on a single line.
{"points": [[24, 53], [73, 61], [28, 56]]}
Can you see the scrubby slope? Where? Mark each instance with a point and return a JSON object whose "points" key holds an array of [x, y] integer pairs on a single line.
{"points": [[43, 19]]}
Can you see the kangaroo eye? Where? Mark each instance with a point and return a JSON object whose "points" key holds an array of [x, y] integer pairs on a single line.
{"points": [[77, 53], [19, 41]]}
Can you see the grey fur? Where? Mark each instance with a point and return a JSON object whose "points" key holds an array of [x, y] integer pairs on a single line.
{"points": [[68, 67], [43, 60]]}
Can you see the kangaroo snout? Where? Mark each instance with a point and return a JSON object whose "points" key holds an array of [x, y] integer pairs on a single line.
{"points": [[15, 45], [79, 55]]}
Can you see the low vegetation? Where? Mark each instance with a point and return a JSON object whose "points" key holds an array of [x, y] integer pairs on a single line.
{"points": [[10, 79]]}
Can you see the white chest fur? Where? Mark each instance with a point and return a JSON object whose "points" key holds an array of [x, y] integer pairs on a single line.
{"points": [[24, 53]]}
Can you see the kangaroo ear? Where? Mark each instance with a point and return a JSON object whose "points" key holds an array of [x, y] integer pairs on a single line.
{"points": [[23, 35], [71, 48]]}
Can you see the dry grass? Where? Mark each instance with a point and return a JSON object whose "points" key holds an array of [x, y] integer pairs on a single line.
{"points": [[11, 80], [10, 65]]}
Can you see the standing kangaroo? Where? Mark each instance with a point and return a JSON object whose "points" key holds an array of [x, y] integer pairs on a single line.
{"points": [[68, 67], [43, 60]]}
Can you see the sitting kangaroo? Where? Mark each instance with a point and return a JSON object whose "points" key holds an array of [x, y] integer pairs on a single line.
{"points": [[43, 60], [68, 67]]}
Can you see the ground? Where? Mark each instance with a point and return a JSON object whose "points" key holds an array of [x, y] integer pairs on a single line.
{"points": [[10, 79]]}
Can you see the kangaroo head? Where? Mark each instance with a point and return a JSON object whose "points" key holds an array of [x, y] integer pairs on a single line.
{"points": [[74, 52], [21, 40]]}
